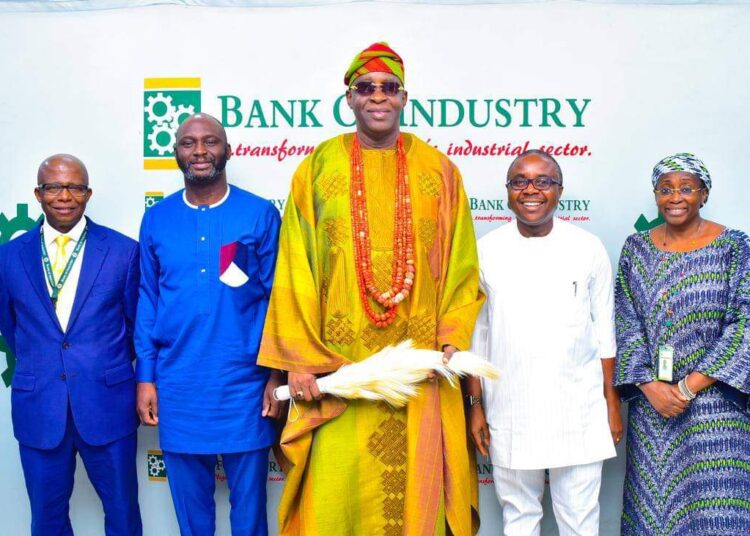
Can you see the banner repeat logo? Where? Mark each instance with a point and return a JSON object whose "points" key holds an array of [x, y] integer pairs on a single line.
{"points": [[151, 198], [10, 229], [644, 224], [166, 103], [157, 469]]}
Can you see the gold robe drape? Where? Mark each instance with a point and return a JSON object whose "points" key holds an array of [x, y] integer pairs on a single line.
{"points": [[357, 467]]}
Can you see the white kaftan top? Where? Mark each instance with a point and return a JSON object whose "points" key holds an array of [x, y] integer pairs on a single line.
{"points": [[546, 324]]}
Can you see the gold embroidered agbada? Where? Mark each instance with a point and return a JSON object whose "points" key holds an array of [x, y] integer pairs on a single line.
{"points": [[358, 467]]}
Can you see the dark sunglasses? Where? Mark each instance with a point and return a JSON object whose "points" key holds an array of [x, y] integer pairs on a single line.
{"points": [[365, 89]]}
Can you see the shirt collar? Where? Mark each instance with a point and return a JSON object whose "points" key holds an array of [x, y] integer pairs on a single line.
{"points": [[50, 233], [537, 239], [219, 202]]}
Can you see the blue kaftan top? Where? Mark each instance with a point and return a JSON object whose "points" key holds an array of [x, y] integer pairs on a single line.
{"points": [[206, 276]]}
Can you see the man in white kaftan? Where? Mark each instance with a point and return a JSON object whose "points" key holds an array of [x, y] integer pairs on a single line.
{"points": [[548, 324]]}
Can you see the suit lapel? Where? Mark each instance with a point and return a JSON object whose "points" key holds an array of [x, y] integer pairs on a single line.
{"points": [[94, 254], [31, 258]]}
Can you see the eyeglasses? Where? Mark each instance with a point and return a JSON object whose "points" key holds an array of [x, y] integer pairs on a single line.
{"points": [[54, 189], [540, 183], [683, 191], [365, 89]]}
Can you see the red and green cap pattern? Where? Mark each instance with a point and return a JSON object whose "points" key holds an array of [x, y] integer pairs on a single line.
{"points": [[377, 58]]}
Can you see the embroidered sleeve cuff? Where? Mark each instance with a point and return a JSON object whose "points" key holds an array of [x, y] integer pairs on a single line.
{"points": [[639, 375]]}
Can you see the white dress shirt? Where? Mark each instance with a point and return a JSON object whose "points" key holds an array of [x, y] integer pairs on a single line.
{"points": [[68, 293], [546, 324]]}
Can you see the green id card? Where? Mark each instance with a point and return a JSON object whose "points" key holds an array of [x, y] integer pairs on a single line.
{"points": [[666, 361]]}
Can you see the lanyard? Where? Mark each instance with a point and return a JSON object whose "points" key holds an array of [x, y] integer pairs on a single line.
{"points": [[57, 287]]}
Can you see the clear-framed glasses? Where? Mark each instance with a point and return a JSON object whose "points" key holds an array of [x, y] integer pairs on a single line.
{"points": [[53, 189], [540, 183], [365, 89], [683, 191]]}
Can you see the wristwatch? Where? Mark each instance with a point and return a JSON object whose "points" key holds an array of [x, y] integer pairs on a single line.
{"points": [[474, 400]]}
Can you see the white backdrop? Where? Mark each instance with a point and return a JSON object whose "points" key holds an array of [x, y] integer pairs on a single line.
{"points": [[647, 81]]}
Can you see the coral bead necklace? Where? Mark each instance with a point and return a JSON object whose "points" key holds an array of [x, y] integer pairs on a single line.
{"points": [[402, 275]]}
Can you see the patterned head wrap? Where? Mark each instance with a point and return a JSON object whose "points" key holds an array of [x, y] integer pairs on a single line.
{"points": [[377, 58], [687, 162]]}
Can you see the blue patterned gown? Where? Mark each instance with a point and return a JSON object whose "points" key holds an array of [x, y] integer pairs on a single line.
{"points": [[688, 475]]}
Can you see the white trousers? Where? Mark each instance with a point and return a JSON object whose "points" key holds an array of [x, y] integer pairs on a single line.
{"points": [[575, 499]]}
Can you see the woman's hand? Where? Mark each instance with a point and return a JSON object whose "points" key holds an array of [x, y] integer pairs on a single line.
{"points": [[615, 418], [665, 398]]}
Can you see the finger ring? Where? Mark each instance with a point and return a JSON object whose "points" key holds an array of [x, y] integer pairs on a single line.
{"points": [[300, 394]]}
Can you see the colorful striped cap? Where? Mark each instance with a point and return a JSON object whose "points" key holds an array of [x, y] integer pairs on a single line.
{"points": [[687, 162], [377, 58]]}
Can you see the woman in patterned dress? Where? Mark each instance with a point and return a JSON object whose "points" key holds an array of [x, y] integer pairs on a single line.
{"points": [[683, 290]]}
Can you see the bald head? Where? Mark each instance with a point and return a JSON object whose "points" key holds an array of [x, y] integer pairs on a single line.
{"points": [[61, 163], [202, 152], [201, 117], [63, 190]]}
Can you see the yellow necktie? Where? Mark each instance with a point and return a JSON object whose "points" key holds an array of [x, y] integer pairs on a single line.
{"points": [[61, 256]]}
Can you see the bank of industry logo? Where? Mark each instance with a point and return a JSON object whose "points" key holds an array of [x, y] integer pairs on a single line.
{"points": [[10, 362], [157, 469], [644, 224], [166, 103], [151, 198], [11, 228], [17, 225]]}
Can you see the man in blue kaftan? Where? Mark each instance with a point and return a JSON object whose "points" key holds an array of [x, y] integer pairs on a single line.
{"points": [[208, 255]]}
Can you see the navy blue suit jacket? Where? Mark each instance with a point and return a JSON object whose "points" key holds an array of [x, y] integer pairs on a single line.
{"points": [[88, 365]]}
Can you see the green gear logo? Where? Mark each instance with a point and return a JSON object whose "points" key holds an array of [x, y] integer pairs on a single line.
{"points": [[157, 470], [166, 103], [644, 224], [10, 359], [10, 229]]}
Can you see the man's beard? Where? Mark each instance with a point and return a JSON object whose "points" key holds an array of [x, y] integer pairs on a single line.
{"points": [[215, 171]]}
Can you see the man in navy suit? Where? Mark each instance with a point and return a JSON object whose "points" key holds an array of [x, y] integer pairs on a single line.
{"points": [[68, 294]]}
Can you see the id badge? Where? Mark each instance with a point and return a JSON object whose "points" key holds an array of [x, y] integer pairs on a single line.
{"points": [[666, 359]]}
